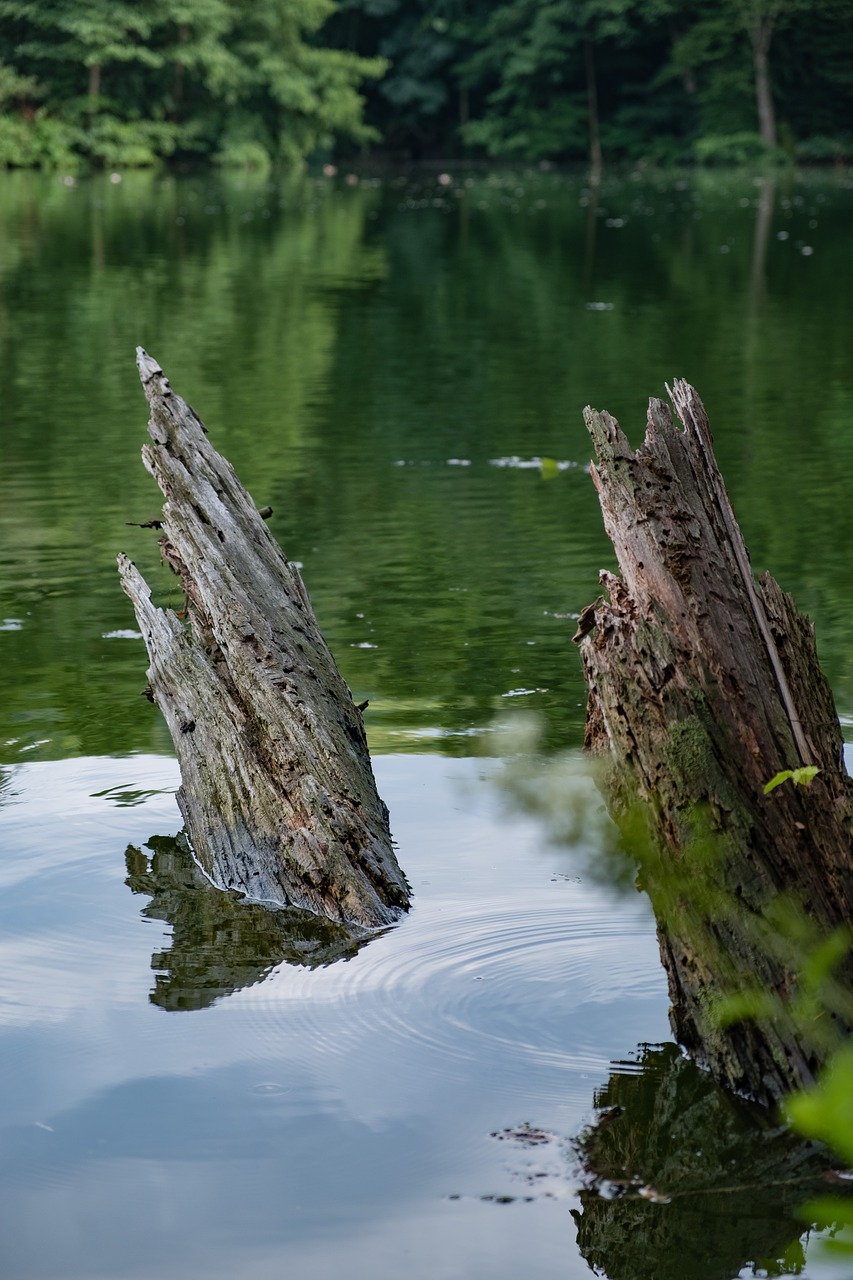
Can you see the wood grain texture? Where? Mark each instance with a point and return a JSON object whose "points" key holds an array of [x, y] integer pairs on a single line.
{"points": [[277, 790], [703, 684]]}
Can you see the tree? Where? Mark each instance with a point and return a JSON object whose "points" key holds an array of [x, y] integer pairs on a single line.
{"points": [[134, 80], [196, 56], [422, 99], [83, 36], [760, 18], [542, 60], [712, 49]]}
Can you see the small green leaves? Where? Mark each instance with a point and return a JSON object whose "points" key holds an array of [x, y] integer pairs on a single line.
{"points": [[801, 777], [749, 1005], [826, 1110], [777, 780], [549, 468]]}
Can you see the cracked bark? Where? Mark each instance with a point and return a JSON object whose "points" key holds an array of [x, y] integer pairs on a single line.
{"points": [[703, 684], [277, 790]]}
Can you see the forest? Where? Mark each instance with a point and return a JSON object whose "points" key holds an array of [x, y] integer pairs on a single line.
{"points": [[253, 83]]}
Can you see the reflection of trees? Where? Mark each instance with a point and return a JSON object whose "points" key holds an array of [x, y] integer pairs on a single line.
{"points": [[220, 942], [324, 336], [219, 273], [761, 239], [721, 1183]]}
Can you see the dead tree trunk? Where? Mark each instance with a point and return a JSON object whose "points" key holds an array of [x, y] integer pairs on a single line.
{"points": [[703, 685], [277, 791]]}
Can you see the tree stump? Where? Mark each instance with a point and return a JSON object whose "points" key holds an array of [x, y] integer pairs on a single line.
{"points": [[703, 685], [277, 791]]}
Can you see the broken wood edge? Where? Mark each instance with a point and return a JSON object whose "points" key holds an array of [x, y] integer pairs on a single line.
{"points": [[651, 670], [692, 414], [277, 793], [664, 437]]}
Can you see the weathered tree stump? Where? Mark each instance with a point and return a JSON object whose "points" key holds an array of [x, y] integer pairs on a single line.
{"points": [[703, 685], [277, 791]]}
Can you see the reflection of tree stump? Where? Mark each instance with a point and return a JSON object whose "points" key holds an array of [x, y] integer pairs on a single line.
{"points": [[703, 684], [697, 1183], [277, 791], [220, 942]]}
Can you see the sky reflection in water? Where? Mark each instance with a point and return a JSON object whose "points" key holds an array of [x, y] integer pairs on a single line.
{"points": [[320, 1117], [403, 382]]}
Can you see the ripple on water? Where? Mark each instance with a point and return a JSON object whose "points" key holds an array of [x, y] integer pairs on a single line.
{"points": [[502, 984]]}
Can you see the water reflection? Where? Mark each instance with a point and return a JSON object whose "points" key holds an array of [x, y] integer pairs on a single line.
{"points": [[684, 1179], [220, 943], [763, 223], [327, 335], [322, 1118]]}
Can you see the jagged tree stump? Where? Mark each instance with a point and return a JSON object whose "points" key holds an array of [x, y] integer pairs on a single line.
{"points": [[703, 685], [277, 791]]}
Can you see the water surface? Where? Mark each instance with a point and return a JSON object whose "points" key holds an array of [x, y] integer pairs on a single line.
{"points": [[398, 368]]}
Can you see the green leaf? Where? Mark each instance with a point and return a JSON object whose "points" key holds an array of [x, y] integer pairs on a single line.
{"points": [[746, 1005], [825, 957], [833, 1212], [549, 468], [826, 1110], [806, 775], [801, 777]]}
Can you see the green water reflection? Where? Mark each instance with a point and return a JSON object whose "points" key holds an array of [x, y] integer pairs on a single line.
{"points": [[366, 357], [219, 943], [386, 365], [687, 1180]]}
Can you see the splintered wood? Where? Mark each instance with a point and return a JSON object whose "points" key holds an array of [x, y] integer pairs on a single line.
{"points": [[703, 684], [277, 790]]}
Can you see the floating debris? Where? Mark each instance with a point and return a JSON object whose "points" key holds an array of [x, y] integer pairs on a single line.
{"points": [[516, 463]]}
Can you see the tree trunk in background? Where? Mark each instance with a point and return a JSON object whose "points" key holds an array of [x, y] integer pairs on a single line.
{"points": [[760, 242], [596, 163], [179, 74], [704, 684], [94, 88], [277, 790], [761, 33]]}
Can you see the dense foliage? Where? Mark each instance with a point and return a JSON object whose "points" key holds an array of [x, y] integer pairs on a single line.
{"points": [[126, 82]]}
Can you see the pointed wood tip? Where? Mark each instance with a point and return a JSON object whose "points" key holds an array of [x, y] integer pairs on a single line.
{"points": [[658, 421], [153, 379], [132, 581], [690, 409], [607, 436], [147, 365], [610, 440]]}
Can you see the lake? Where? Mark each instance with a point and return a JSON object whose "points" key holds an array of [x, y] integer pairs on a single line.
{"points": [[397, 364]]}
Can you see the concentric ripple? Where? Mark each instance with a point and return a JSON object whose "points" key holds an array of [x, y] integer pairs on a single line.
{"points": [[514, 987]]}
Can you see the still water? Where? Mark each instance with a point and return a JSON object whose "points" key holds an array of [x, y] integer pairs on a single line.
{"points": [[194, 1088]]}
